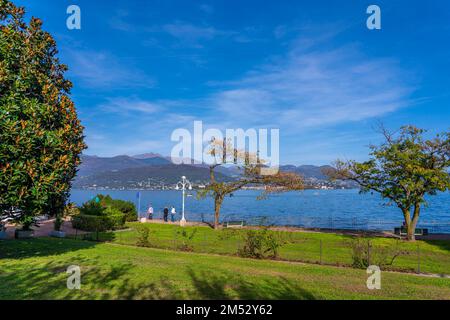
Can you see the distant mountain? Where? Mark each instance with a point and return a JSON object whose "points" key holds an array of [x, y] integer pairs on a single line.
{"points": [[152, 170], [308, 171], [147, 156], [93, 164], [146, 177]]}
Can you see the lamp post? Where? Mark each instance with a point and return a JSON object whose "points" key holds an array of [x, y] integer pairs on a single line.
{"points": [[182, 185]]}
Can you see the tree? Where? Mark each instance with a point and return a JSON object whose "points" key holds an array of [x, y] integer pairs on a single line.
{"points": [[404, 169], [41, 138], [251, 174]]}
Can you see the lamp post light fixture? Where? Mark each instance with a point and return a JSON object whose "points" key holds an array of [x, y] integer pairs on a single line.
{"points": [[182, 185]]}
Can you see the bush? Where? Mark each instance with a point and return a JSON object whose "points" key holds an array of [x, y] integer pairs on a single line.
{"points": [[260, 244], [365, 254], [186, 239], [104, 214], [71, 210], [127, 208], [90, 223], [103, 223], [116, 218], [92, 208], [143, 236]]}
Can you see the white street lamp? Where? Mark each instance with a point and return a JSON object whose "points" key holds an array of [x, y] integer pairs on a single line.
{"points": [[182, 185]]}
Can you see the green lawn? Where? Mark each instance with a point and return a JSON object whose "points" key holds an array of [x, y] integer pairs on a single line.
{"points": [[430, 256], [35, 269]]}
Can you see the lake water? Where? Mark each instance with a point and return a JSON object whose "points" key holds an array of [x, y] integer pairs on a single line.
{"points": [[336, 209]]}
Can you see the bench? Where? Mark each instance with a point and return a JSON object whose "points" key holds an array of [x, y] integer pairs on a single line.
{"points": [[234, 224], [418, 232]]}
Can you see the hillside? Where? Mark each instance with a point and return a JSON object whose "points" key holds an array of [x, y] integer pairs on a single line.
{"points": [[152, 170], [149, 176]]}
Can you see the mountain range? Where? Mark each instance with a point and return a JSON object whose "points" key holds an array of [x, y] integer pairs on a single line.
{"points": [[152, 170]]}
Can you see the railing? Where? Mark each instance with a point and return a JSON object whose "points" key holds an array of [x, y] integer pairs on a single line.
{"points": [[329, 222]]}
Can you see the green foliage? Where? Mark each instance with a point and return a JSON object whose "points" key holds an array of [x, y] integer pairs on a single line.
{"points": [[126, 207], [41, 138], [105, 214], [92, 208], [111, 221], [404, 169], [186, 238], [260, 244], [253, 172], [364, 253], [71, 210], [143, 236]]}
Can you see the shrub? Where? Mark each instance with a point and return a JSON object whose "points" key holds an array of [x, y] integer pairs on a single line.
{"points": [[92, 208], [71, 210], [260, 244], [115, 217], [90, 223], [127, 208], [186, 239], [365, 254], [98, 223], [103, 214], [143, 236]]}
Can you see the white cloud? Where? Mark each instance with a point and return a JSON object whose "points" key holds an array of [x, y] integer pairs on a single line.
{"points": [[103, 70], [125, 105], [192, 34], [313, 89], [308, 88]]}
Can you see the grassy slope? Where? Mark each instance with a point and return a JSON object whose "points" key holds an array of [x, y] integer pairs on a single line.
{"points": [[301, 246], [35, 269]]}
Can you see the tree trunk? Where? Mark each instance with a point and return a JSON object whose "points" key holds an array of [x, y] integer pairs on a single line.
{"points": [[217, 204], [413, 224], [409, 231]]}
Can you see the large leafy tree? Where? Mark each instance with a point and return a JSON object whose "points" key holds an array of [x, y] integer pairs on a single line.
{"points": [[403, 169], [253, 173], [41, 138]]}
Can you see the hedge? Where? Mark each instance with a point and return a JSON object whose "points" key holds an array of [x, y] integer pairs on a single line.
{"points": [[98, 223], [97, 208]]}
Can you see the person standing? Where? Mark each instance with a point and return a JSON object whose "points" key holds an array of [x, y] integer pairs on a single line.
{"points": [[150, 212], [166, 214], [173, 212]]}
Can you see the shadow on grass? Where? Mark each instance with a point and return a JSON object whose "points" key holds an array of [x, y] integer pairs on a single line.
{"points": [[20, 249], [100, 280], [443, 244], [225, 286], [103, 278]]}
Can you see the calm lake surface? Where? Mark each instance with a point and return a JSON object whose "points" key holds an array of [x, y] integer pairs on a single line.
{"points": [[336, 209]]}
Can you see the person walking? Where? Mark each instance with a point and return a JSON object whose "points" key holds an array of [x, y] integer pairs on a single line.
{"points": [[166, 214], [173, 212], [150, 212]]}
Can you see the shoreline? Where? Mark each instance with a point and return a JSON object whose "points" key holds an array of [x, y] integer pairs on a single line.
{"points": [[347, 232]]}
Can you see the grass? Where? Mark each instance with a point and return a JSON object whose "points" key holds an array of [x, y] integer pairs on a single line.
{"points": [[430, 256], [35, 269]]}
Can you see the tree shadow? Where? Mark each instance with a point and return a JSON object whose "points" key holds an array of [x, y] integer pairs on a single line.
{"points": [[226, 286], [443, 244], [98, 281], [38, 247]]}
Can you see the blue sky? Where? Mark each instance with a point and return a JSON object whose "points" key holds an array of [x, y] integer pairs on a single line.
{"points": [[312, 69]]}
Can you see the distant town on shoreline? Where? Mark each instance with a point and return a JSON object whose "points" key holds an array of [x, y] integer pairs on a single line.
{"points": [[153, 171]]}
